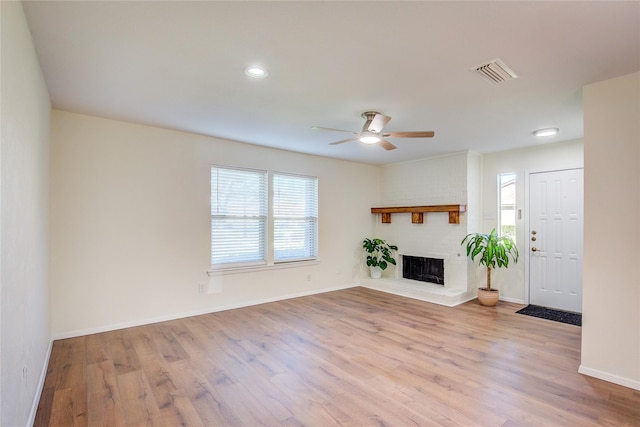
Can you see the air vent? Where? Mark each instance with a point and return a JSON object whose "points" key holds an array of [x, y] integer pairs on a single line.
{"points": [[495, 72]]}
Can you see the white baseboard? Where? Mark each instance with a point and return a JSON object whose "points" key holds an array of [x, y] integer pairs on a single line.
{"points": [[40, 386], [514, 300], [124, 325], [626, 382]]}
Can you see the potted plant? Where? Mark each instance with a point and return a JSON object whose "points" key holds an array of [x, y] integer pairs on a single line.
{"points": [[494, 251], [379, 255]]}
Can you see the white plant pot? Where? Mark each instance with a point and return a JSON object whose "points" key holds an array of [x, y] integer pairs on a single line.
{"points": [[376, 272]]}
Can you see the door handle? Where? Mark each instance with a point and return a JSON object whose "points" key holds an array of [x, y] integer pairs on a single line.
{"points": [[533, 249]]}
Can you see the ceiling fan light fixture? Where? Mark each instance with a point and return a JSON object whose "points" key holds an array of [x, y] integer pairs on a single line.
{"points": [[256, 72], [372, 132], [369, 138], [546, 132]]}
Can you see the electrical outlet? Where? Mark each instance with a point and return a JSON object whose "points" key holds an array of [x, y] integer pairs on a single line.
{"points": [[308, 277], [202, 288]]}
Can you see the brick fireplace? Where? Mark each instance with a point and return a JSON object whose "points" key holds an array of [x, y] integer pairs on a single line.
{"points": [[444, 181]]}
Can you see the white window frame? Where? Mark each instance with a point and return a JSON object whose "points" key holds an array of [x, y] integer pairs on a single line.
{"points": [[501, 204], [259, 214], [309, 217], [269, 262]]}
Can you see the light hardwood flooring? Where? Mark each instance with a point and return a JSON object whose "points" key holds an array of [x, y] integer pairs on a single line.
{"points": [[354, 357]]}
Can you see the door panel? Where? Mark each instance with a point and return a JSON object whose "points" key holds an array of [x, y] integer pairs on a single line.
{"points": [[555, 233]]}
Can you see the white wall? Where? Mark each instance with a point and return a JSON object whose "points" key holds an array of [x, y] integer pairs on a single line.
{"points": [[131, 224], [547, 157], [476, 275], [24, 168], [611, 295]]}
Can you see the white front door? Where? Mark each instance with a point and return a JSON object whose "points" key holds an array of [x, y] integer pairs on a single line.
{"points": [[555, 239]]}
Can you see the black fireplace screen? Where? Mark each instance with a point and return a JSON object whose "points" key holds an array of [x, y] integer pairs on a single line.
{"points": [[423, 269]]}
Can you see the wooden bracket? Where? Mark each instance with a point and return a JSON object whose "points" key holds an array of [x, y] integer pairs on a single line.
{"points": [[417, 217]]}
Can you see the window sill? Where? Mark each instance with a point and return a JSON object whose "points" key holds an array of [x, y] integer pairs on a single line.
{"points": [[261, 267]]}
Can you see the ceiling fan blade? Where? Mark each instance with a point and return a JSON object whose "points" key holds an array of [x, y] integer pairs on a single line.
{"points": [[387, 145], [377, 123], [416, 134], [343, 141], [336, 130]]}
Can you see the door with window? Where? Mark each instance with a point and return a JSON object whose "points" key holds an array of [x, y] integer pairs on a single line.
{"points": [[556, 239]]}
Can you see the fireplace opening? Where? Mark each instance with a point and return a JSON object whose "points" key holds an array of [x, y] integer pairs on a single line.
{"points": [[423, 269]]}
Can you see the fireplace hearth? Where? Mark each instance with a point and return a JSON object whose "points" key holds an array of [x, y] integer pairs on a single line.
{"points": [[435, 277], [423, 269]]}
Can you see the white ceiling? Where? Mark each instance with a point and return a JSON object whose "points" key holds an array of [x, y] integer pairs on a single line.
{"points": [[180, 65]]}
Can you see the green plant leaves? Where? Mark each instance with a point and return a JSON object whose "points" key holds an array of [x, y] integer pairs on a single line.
{"points": [[379, 253], [495, 251]]}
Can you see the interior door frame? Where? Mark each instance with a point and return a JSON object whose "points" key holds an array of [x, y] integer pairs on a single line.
{"points": [[526, 219]]}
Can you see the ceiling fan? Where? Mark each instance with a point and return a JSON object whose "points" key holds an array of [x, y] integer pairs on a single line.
{"points": [[372, 131]]}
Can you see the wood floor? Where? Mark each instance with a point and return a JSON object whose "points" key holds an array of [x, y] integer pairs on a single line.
{"points": [[355, 357]]}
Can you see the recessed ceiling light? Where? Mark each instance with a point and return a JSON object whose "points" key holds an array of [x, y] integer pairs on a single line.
{"points": [[256, 72], [546, 132]]}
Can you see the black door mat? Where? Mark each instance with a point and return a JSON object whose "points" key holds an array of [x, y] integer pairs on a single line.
{"points": [[552, 314]]}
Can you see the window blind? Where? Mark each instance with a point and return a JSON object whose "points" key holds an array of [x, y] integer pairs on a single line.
{"points": [[238, 215], [295, 217]]}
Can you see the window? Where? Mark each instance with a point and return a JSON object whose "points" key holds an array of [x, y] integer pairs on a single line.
{"points": [[507, 204], [238, 216], [295, 217], [252, 226]]}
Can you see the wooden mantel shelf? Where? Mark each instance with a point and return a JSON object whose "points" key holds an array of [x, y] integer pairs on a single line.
{"points": [[417, 212]]}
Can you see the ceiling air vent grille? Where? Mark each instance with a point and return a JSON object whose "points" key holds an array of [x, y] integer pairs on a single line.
{"points": [[495, 72]]}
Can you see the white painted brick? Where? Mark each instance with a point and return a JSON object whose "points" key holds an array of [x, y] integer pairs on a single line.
{"points": [[437, 181]]}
